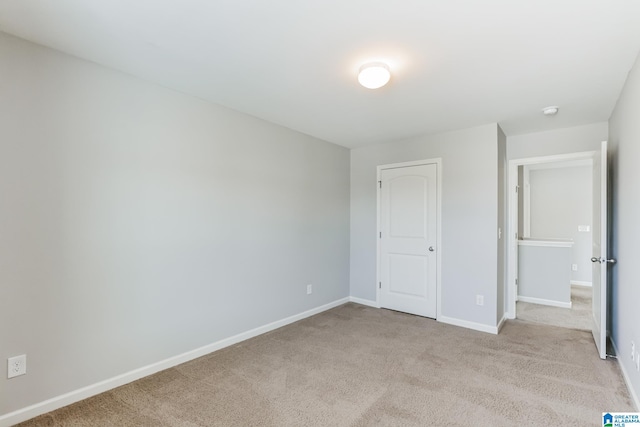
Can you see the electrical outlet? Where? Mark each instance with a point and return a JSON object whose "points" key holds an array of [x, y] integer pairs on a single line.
{"points": [[16, 366], [479, 299], [309, 289], [574, 267]]}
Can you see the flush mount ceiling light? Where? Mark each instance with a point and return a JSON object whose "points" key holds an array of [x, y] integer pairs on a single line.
{"points": [[550, 111], [374, 75]]}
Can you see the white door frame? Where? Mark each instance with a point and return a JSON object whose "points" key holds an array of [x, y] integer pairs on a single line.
{"points": [[512, 215], [379, 169], [526, 202]]}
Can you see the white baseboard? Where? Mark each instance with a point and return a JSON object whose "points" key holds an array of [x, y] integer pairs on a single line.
{"points": [[469, 325], [625, 375], [366, 302], [111, 383], [545, 302], [580, 283], [501, 322], [444, 319]]}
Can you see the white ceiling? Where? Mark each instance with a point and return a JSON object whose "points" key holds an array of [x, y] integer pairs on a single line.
{"points": [[455, 63]]}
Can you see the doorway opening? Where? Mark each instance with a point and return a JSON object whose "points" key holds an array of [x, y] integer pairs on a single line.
{"points": [[550, 218]]}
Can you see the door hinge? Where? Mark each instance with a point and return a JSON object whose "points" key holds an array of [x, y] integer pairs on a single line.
{"points": [[517, 187], [379, 285], [516, 280], [380, 183], [380, 235]]}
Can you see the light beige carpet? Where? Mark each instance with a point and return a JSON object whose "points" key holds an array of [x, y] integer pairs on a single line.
{"points": [[577, 317], [360, 366]]}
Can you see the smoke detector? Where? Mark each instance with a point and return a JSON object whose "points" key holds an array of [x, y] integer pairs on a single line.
{"points": [[550, 111]]}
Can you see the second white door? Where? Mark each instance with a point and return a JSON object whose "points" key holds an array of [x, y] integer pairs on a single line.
{"points": [[408, 237], [600, 258]]}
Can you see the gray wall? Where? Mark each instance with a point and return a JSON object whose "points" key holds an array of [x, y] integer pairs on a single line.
{"points": [[469, 216], [544, 273], [561, 200], [558, 141], [138, 223], [624, 139]]}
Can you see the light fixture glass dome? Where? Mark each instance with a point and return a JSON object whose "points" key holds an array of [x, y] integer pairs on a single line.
{"points": [[374, 75]]}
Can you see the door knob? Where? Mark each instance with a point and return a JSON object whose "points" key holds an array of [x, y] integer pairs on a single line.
{"points": [[603, 261], [431, 249]]}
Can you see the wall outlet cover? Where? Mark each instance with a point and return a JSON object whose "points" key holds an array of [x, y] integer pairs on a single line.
{"points": [[16, 366]]}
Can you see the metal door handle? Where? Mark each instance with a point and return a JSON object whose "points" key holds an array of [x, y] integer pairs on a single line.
{"points": [[431, 249], [602, 261]]}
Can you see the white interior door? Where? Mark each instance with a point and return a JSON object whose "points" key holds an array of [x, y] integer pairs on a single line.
{"points": [[408, 229], [599, 255]]}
